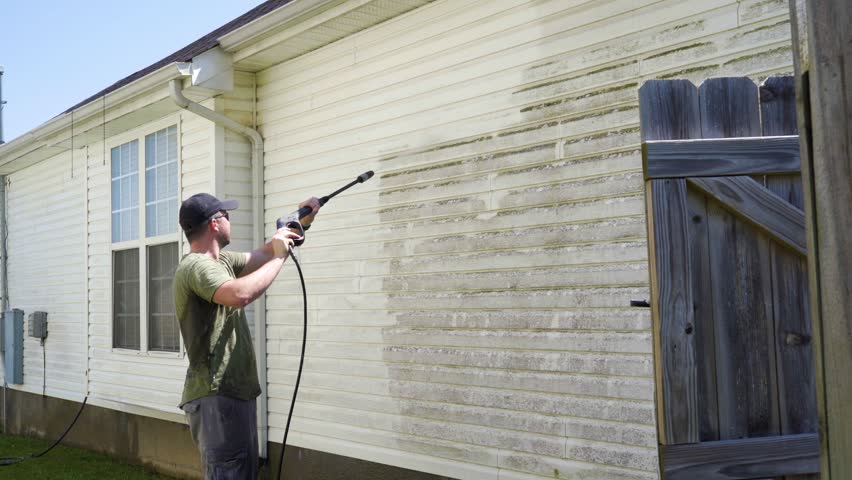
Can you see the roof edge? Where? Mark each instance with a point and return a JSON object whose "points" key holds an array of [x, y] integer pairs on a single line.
{"points": [[14, 149], [282, 14]]}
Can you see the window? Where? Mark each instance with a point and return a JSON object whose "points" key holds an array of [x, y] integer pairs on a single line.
{"points": [[126, 298], [125, 192], [161, 207], [144, 266], [163, 332]]}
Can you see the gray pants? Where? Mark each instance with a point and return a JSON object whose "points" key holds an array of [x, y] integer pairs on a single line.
{"points": [[225, 431]]}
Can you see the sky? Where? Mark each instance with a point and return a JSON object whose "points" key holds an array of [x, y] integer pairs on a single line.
{"points": [[55, 53]]}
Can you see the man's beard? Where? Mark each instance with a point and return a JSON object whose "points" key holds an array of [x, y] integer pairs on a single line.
{"points": [[223, 240]]}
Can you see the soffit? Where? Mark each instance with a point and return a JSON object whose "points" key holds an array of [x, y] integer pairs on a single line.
{"points": [[336, 21]]}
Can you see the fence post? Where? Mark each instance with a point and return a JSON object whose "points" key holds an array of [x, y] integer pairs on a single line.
{"points": [[822, 43]]}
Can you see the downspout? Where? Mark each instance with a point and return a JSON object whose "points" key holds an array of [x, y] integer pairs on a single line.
{"points": [[176, 92]]}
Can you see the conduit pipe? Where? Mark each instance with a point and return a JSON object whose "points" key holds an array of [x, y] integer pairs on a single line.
{"points": [[176, 92], [4, 290], [4, 278]]}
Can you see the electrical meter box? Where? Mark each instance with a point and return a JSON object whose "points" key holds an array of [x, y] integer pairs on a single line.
{"points": [[13, 342], [38, 325]]}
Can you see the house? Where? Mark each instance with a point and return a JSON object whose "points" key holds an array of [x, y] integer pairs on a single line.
{"points": [[469, 307]]}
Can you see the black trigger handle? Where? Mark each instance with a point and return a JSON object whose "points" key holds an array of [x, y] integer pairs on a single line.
{"points": [[293, 225]]}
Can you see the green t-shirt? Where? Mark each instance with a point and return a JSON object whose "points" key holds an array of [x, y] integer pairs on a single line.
{"points": [[217, 337]]}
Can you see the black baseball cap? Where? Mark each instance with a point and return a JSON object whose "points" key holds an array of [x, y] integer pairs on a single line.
{"points": [[197, 209]]}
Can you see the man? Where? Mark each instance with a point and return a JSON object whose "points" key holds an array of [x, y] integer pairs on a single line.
{"points": [[211, 289]]}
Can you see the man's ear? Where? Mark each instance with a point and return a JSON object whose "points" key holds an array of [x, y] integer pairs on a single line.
{"points": [[213, 226]]}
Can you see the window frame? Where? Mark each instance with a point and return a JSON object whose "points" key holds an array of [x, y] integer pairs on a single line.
{"points": [[142, 242]]}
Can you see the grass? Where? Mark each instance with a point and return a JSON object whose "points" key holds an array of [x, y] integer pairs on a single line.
{"points": [[65, 463]]}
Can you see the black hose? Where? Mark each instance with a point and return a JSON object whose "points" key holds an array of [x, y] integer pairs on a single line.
{"points": [[6, 461], [301, 363]]}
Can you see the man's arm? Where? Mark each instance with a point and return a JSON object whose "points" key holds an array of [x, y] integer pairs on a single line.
{"points": [[259, 257], [242, 291]]}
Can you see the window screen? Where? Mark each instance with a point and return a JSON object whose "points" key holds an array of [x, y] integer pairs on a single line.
{"points": [[163, 331], [125, 299], [125, 192], [161, 195]]}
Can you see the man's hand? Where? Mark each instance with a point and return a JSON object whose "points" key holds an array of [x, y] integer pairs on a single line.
{"points": [[312, 202], [282, 241]]}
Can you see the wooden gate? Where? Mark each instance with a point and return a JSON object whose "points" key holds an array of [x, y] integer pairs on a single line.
{"points": [[734, 364]]}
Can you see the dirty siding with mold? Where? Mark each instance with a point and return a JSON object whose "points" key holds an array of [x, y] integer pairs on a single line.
{"points": [[469, 306]]}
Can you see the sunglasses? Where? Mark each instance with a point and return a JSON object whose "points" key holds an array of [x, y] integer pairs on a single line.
{"points": [[222, 213]]}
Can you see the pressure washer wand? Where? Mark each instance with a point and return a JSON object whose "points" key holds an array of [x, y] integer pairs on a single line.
{"points": [[292, 220], [305, 211]]}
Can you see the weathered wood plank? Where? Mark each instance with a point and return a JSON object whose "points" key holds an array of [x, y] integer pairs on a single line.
{"points": [[702, 299], [754, 330], [749, 200], [729, 108], [742, 459], [793, 349], [823, 73], [741, 313], [720, 157], [796, 377], [778, 117], [673, 300], [669, 110], [722, 239], [778, 106], [746, 382]]}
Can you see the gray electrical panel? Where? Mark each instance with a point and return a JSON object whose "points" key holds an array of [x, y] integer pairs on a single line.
{"points": [[38, 325], [13, 341]]}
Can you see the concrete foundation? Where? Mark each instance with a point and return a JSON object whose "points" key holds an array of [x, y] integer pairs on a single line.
{"points": [[167, 446], [159, 444]]}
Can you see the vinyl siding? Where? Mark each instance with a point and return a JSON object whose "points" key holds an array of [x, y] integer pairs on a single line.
{"points": [[236, 182], [468, 306], [46, 268], [235, 168], [197, 151]]}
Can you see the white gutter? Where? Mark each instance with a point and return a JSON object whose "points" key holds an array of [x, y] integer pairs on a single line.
{"points": [[176, 92]]}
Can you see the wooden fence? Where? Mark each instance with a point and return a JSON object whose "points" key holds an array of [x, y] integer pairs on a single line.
{"points": [[734, 363]]}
